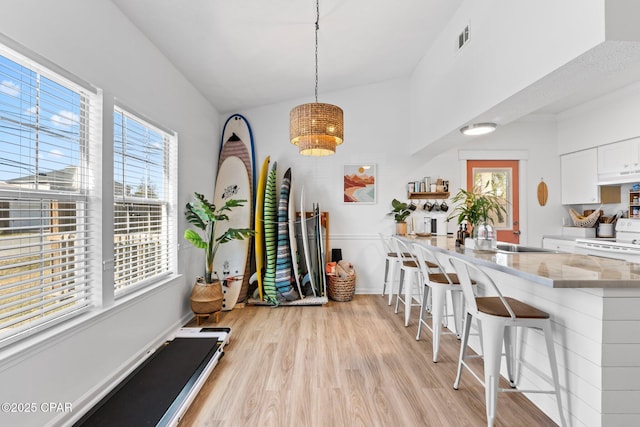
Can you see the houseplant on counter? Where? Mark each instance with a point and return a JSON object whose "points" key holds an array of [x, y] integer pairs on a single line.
{"points": [[206, 296], [478, 209], [400, 212]]}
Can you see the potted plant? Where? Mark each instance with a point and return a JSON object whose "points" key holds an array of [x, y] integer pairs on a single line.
{"points": [[478, 209], [206, 296], [400, 212]]}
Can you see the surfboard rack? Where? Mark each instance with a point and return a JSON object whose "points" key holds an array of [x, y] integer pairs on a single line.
{"points": [[161, 389], [308, 300], [324, 221]]}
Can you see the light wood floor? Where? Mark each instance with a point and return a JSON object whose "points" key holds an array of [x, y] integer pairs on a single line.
{"points": [[343, 364]]}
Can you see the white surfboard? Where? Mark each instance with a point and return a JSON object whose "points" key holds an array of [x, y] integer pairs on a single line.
{"points": [[305, 243], [322, 255], [293, 244], [234, 181]]}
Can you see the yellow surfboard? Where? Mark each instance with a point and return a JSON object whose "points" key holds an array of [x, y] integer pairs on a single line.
{"points": [[259, 224]]}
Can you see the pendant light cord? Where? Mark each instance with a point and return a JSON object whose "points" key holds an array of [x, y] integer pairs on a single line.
{"points": [[317, 28]]}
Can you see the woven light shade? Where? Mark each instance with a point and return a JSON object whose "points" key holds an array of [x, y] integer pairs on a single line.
{"points": [[316, 128]]}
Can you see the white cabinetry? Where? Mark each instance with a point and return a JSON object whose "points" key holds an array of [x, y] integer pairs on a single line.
{"points": [[619, 158], [559, 244], [579, 174], [580, 177]]}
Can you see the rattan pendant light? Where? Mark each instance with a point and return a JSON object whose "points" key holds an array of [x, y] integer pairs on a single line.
{"points": [[316, 128]]}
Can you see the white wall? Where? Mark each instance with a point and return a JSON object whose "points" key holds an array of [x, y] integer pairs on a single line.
{"points": [[376, 131], [94, 41], [508, 51]]}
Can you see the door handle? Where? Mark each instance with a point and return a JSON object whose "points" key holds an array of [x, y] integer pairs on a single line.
{"points": [[517, 232]]}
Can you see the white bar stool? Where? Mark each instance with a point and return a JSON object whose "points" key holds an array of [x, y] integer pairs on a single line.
{"points": [[499, 316], [391, 270], [439, 282], [407, 268]]}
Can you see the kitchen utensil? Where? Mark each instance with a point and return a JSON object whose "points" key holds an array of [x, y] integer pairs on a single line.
{"points": [[617, 216], [444, 207]]}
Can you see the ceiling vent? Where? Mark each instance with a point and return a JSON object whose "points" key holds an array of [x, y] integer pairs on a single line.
{"points": [[463, 37]]}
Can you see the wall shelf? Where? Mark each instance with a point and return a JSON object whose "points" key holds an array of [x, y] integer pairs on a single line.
{"points": [[634, 207], [429, 195]]}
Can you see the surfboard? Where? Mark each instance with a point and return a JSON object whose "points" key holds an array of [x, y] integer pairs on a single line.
{"points": [[305, 245], [234, 181], [293, 243], [270, 219], [321, 253], [259, 224], [317, 253], [283, 256]]}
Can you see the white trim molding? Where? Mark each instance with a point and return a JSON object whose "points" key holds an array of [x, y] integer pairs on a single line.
{"points": [[493, 155]]}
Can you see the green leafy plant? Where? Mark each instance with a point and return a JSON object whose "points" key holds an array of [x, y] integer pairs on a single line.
{"points": [[476, 207], [400, 210], [203, 215]]}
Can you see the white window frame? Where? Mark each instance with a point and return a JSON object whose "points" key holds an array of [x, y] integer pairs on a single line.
{"points": [[78, 283], [129, 273]]}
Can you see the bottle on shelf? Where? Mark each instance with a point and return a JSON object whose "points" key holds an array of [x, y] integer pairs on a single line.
{"points": [[460, 236]]}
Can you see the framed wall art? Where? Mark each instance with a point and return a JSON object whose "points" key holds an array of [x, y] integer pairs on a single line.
{"points": [[359, 183]]}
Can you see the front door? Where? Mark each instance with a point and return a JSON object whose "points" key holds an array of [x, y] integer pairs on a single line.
{"points": [[502, 178]]}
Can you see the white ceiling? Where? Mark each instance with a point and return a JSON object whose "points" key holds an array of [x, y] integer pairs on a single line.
{"points": [[246, 53]]}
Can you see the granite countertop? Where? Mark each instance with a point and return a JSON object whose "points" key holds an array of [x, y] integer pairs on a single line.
{"points": [[553, 269]]}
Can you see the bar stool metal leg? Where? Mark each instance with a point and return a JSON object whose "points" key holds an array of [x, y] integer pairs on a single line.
{"points": [[464, 342], [510, 353], [439, 294], [386, 275], [390, 278], [492, 337], [400, 287], [548, 336]]}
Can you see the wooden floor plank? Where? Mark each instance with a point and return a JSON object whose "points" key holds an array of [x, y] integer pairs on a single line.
{"points": [[343, 364]]}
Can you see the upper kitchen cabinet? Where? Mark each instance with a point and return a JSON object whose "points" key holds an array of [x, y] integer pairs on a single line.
{"points": [[579, 173], [619, 162]]}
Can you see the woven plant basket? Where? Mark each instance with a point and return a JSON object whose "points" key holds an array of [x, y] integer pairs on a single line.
{"points": [[341, 288], [206, 298]]}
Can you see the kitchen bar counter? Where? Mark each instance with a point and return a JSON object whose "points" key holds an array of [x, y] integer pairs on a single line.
{"points": [[556, 270], [594, 304]]}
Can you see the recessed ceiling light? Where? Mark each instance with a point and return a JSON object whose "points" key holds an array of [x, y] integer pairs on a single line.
{"points": [[478, 129]]}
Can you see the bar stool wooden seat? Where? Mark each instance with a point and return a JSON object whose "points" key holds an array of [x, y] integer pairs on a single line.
{"points": [[410, 270], [391, 266], [499, 317], [439, 283]]}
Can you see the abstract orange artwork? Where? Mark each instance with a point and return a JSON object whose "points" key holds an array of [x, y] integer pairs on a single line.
{"points": [[360, 183]]}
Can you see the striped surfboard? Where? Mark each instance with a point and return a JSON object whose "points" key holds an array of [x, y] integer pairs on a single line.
{"points": [[270, 236], [283, 255]]}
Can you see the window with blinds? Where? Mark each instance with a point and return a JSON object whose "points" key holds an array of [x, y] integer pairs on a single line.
{"points": [[144, 201], [47, 124]]}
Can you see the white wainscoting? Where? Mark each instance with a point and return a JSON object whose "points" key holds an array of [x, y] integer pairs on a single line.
{"points": [[366, 253]]}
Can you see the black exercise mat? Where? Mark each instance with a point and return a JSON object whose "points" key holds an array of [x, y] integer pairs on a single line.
{"points": [[144, 397]]}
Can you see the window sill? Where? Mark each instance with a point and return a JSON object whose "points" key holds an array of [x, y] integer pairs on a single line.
{"points": [[20, 347]]}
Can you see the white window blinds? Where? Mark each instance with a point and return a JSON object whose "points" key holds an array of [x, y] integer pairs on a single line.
{"points": [[47, 124], [144, 201]]}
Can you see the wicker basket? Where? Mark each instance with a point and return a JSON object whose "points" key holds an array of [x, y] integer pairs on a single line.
{"points": [[341, 288]]}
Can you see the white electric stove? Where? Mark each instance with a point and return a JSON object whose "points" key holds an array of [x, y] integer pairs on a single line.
{"points": [[625, 246]]}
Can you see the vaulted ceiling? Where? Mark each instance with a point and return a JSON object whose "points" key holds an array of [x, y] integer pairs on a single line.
{"points": [[245, 53]]}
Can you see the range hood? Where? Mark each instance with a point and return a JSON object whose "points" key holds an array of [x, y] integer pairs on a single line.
{"points": [[619, 177]]}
